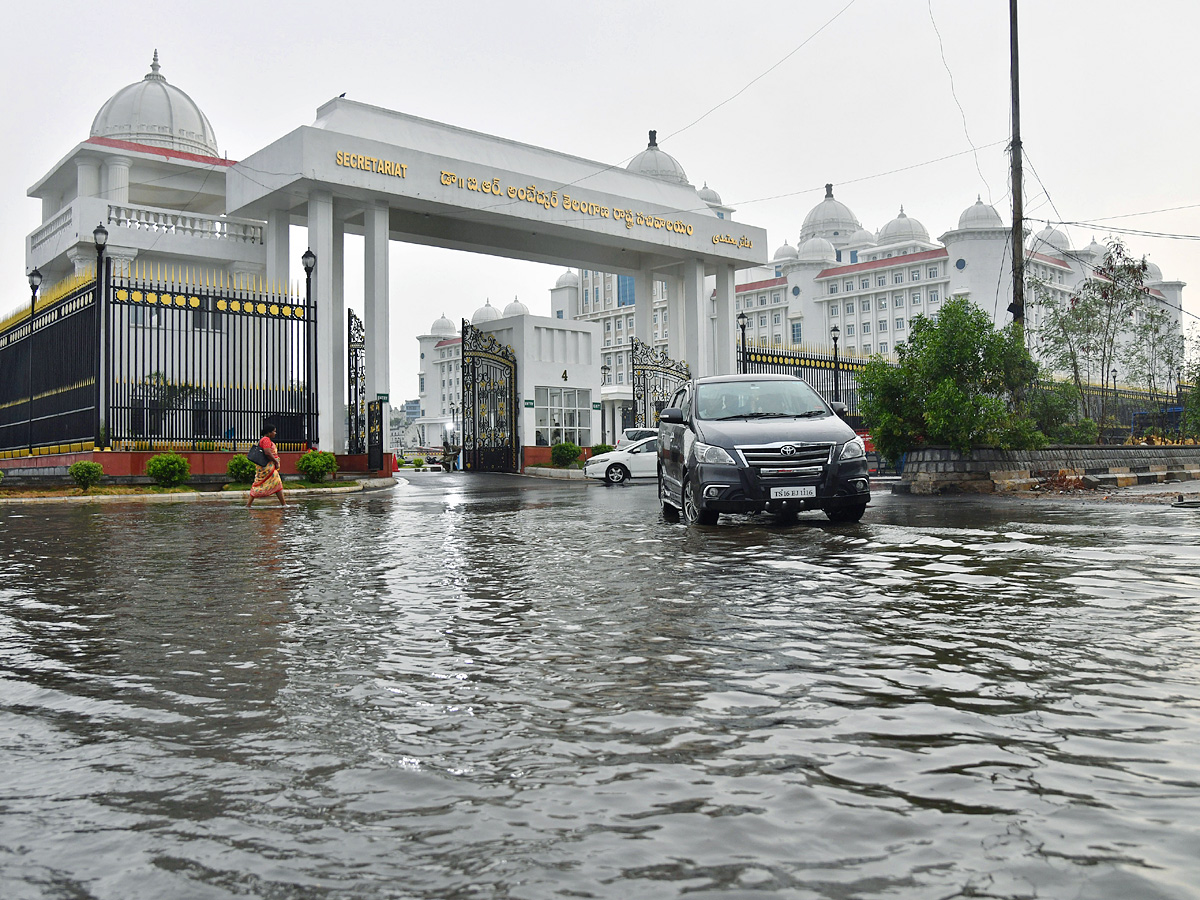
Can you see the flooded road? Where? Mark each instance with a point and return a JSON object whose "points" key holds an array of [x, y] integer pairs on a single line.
{"points": [[501, 687]]}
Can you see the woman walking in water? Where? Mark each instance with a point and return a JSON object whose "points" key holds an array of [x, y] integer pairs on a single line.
{"points": [[266, 478]]}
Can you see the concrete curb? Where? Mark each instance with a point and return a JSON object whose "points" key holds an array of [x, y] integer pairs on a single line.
{"points": [[547, 472], [359, 486]]}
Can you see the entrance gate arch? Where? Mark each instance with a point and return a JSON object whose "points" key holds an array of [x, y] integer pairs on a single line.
{"points": [[489, 403]]}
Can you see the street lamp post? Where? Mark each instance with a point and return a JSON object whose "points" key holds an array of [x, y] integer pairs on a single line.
{"points": [[103, 339], [604, 373], [309, 261], [35, 280], [741, 320], [835, 333]]}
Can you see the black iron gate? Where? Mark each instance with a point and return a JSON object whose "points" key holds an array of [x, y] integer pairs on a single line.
{"points": [[356, 404], [489, 403], [375, 435], [834, 377], [656, 377]]}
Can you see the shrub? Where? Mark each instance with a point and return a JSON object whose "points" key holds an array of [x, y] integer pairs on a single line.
{"points": [[1085, 431], [240, 470], [562, 455], [316, 464], [168, 469], [418, 461], [602, 448], [85, 473]]}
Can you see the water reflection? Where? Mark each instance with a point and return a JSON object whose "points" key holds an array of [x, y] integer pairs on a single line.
{"points": [[479, 686]]}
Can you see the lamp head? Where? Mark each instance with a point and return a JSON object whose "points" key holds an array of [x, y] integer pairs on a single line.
{"points": [[309, 259], [35, 278], [741, 317], [100, 236], [835, 332]]}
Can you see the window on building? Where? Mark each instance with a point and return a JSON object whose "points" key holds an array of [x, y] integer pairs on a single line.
{"points": [[866, 304], [849, 285], [835, 308], [796, 332], [898, 278], [620, 378], [608, 342], [762, 321], [899, 324], [865, 283], [608, 325], [762, 299], [849, 329], [915, 298], [776, 320], [866, 327], [849, 309], [898, 301], [559, 314], [883, 324], [933, 270], [914, 275], [421, 386], [883, 346], [832, 288], [563, 414], [777, 339], [881, 302], [737, 304], [776, 297], [881, 281], [933, 297], [596, 293], [629, 322], [866, 349]]}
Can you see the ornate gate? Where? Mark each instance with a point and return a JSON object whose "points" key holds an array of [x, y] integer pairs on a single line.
{"points": [[489, 403], [356, 405], [655, 378]]}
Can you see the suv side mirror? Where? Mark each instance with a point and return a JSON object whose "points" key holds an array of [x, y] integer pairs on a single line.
{"points": [[672, 415], [838, 407]]}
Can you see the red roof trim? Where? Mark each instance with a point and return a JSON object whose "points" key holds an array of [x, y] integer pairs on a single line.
{"points": [[134, 147], [883, 263], [1048, 260], [759, 285], [448, 342]]}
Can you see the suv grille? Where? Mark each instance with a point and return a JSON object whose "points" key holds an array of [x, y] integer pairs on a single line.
{"points": [[769, 460]]}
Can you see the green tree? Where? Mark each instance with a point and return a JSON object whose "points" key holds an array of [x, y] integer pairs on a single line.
{"points": [[1085, 334], [959, 382], [1154, 355]]}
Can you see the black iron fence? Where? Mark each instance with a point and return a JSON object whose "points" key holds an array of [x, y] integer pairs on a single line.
{"points": [[157, 363], [834, 377]]}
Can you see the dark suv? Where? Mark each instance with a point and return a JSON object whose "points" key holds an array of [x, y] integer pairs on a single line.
{"points": [[753, 443]]}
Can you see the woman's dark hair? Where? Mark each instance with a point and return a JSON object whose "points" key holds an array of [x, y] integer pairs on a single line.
{"points": [[268, 427]]}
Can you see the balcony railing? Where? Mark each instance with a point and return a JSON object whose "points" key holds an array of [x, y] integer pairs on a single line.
{"points": [[61, 222], [167, 221]]}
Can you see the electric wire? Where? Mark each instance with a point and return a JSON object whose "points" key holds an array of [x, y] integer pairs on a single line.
{"points": [[954, 94]]}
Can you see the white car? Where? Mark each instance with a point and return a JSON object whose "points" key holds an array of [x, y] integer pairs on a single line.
{"points": [[631, 435], [637, 460]]}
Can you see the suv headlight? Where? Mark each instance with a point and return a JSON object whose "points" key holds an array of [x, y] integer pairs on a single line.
{"points": [[708, 453], [853, 449]]}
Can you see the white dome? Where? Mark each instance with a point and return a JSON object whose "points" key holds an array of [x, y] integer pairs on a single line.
{"points": [[153, 112], [1153, 273], [1049, 240], [1097, 250], [443, 327], [516, 308], [829, 218], [902, 228], [657, 164], [787, 251], [709, 196], [816, 249], [862, 238], [485, 313], [979, 215], [567, 279]]}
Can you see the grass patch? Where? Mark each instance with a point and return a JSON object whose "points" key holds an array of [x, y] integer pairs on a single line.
{"points": [[97, 491]]}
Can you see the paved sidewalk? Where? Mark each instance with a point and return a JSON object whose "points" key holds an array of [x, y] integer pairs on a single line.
{"points": [[354, 487]]}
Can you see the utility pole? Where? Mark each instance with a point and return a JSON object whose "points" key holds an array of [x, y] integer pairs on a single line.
{"points": [[1017, 308]]}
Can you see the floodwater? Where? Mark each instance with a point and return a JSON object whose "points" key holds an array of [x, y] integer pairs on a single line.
{"points": [[500, 687]]}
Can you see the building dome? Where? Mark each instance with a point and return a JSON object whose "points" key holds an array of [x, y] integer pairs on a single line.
{"points": [[787, 251], [567, 279], [829, 218], [1153, 273], [862, 238], [153, 112], [1049, 240], [443, 327], [902, 228], [485, 313], [516, 308], [979, 215], [657, 164], [1097, 250], [816, 249], [709, 196]]}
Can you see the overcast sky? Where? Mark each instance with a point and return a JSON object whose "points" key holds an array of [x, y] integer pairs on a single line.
{"points": [[765, 101]]}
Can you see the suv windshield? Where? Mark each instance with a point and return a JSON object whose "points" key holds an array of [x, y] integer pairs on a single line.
{"points": [[758, 399]]}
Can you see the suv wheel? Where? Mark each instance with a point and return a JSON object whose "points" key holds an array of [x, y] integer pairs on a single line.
{"points": [[845, 514], [670, 513], [692, 511]]}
